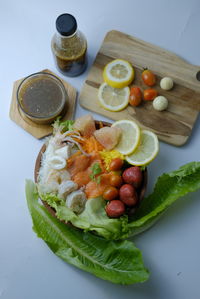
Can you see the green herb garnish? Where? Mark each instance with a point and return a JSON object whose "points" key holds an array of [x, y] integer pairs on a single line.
{"points": [[143, 167], [96, 169]]}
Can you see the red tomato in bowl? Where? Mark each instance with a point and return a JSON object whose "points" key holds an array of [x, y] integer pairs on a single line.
{"points": [[110, 193], [116, 164], [115, 208], [116, 180]]}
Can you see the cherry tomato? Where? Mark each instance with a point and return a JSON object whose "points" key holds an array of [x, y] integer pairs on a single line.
{"points": [[133, 176], [115, 208], [135, 96], [110, 193], [148, 77], [116, 164], [150, 94], [116, 180], [128, 195]]}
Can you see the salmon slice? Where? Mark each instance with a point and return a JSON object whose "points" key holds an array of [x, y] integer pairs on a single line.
{"points": [[82, 178], [78, 164], [93, 189], [80, 167], [85, 125], [108, 137]]}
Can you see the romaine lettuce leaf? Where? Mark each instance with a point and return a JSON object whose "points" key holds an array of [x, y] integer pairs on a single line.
{"points": [[116, 261], [93, 218], [169, 187]]}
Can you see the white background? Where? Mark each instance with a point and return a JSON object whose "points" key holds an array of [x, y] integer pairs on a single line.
{"points": [[171, 249]]}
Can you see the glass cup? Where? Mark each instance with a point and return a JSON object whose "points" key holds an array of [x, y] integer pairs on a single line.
{"points": [[42, 97]]}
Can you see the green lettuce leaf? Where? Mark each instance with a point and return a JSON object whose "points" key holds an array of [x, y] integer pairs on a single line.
{"points": [[116, 261], [93, 218], [169, 187], [63, 125]]}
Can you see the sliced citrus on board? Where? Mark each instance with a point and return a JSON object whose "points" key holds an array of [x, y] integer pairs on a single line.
{"points": [[118, 73], [130, 136], [146, 151], [113, 99]]}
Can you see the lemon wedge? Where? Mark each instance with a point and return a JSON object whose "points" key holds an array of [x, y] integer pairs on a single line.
{"points": [[146, 151], [118, 73], [130, 136], [113, 99]]}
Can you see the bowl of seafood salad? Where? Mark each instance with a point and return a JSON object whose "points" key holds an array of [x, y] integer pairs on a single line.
{"points": [[83, 177]]}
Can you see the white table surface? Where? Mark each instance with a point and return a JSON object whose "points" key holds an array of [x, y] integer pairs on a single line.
{"points": [[171, 249]]}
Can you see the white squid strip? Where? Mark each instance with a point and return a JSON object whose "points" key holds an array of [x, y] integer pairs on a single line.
{"points": [[76, 201], [63, 152], [66, 188], [57, 162]]}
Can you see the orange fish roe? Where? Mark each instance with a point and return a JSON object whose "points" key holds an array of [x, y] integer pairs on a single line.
{"points": [[92, 145]]}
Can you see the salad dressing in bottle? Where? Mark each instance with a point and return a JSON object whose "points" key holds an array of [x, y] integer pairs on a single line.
{"points": [[69, 46]]}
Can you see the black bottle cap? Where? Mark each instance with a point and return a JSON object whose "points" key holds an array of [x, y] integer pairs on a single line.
{"points": [[66, 24]]}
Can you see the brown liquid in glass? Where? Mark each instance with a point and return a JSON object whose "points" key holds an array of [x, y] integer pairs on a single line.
{"points": [[41, 97]]}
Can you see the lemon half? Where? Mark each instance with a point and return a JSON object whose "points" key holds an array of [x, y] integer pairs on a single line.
{"points": [[146, 151], [118, 73], [113, 99], [130, 137]]}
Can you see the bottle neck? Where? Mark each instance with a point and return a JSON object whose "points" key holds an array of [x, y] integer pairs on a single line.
{"points": [[65, 43], [66, 37]]}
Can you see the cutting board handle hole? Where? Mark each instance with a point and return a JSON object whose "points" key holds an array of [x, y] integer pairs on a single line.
{"points": [[198, 75]]}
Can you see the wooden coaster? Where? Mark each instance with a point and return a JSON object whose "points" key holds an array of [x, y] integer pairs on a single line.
{"points": [[37, 130]]}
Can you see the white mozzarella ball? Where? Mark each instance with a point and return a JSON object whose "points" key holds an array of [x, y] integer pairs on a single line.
{"points": [[160, 103], [166, 83]]}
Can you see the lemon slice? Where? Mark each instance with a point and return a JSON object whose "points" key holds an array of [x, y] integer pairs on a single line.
{"points": [[146, 151], [113, 99], [118, 73], [130, 136]]}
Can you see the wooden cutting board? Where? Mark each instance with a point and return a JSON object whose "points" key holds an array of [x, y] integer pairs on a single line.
{"points": [[174, 125]]}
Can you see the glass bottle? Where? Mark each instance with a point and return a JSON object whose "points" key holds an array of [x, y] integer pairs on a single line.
{"points": [[69, 46]]}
